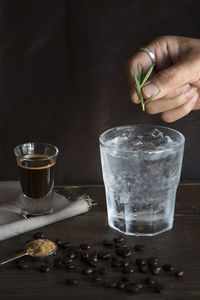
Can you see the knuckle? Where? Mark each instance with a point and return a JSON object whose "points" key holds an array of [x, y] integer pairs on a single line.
{"points": [[159, 41], [166, 118], [150, 108], [134, 97], [169, 77], [181, 99], [186, 109]]}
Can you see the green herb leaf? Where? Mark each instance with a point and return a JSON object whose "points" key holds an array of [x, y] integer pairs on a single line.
{"points": [[152, 97], [138, 88], [148, 74], [139, 75], [139, 81]]}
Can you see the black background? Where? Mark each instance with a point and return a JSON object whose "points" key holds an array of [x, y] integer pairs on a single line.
{"points": [[62, 77]]}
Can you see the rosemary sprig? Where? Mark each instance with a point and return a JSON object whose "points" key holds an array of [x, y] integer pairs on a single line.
{"points": [[139, 81]]}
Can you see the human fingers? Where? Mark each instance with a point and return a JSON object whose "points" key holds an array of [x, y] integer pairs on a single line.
{"points": [[184, 67], [142, 60], [168, 80], [166, 104], [176, 92], [197, 104], [181, 111], [177, 63]]}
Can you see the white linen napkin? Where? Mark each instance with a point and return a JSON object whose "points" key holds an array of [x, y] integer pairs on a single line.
{"points": [[11, 221]]}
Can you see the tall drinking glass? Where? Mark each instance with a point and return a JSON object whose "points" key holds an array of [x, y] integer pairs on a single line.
{"points": [[36, 163], [141, 167]]}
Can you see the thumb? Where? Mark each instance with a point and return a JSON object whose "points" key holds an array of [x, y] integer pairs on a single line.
{"points": [[167, 80]]}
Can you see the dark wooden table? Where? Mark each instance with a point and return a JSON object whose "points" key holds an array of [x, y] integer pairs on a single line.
{"points": [[180, 247]]}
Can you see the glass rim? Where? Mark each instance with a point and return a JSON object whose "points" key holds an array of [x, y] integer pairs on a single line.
{"points": [[37, 143], [141, 150]]}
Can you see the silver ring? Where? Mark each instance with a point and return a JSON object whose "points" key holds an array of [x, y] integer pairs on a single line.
{"points": [[150, 53]]}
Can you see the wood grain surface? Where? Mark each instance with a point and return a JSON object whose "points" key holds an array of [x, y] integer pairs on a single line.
{"points": [[180, 247]]}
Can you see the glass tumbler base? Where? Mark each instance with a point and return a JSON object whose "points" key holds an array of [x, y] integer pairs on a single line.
{"points": [[141, 229]]}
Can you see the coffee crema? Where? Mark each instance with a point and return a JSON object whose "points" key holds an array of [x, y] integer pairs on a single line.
{"points": [[36, 174]]}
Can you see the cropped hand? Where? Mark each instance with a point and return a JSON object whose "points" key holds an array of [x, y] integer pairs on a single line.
{"points": [[176, 76]]}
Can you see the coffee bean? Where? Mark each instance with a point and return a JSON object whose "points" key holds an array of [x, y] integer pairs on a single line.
{"points": [[110, 284], [133, 288], [96, 272], [71, 254], [159, 287], [23, 265], [119, 239], [103, 271], [156, 270], [179, 273], [124, 252], [76, 249], [84, 255], [143, 268], [121, 285], [116, 264], [104, 254], [125, 263], [128, 270], [85, 246], [121, 245], [168, 267], [140, 261], [70, 266], [66, 245], [108, 243], [115, 257], [67, 260], [153, 261], [90, 262], [59, 242], [87, 271], [44, 268], [70, 281], [139, 247], [93, 256], [58, 262], [96, 277], [149, 280], [139, 285], [39, 235], [126, 278]]}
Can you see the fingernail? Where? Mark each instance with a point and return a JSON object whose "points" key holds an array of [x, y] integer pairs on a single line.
{"points": [[134, 98], [191, 92], [182, 89], [194, 98], [149, 89]]}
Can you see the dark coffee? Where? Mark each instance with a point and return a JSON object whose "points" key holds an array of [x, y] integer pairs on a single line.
{"points": [[36, 175]]}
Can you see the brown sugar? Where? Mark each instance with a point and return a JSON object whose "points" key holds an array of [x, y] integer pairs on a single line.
{"points": [[41, 247]]}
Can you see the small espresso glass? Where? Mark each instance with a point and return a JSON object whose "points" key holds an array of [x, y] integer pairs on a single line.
{"points": [[36, 164]]}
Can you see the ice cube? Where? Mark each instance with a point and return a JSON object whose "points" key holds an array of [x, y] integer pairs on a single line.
{"points": [[137, 141], [156, 133]]}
